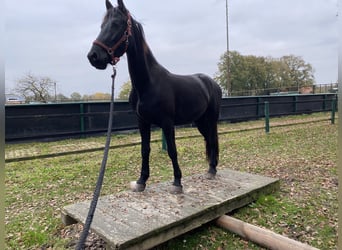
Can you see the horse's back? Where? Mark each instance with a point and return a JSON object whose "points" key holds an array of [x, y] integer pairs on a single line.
{"points": [[212, 86], [197, 83], [197, 94], [185, 98], [215, 96]]}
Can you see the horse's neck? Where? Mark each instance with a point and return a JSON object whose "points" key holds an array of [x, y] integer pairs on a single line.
{"points": [[142, 65], [139, 67]]}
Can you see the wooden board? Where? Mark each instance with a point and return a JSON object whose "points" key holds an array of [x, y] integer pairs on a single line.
{"points": [[131, 220]]}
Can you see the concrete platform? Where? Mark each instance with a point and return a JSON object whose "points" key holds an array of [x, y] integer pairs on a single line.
{"points": [[131, 220]]}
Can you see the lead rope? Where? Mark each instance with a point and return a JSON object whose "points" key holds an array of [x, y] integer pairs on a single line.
{"points": [[85, 232]]}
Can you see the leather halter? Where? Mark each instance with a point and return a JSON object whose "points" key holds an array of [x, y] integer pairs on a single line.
{"points": [[123, 39]]}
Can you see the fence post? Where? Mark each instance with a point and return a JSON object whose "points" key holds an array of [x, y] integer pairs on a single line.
{"points": [[164, 145], [267, 117], [333, 110]]}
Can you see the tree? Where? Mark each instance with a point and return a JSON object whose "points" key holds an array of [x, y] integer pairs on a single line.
{"points": [[299, 73], [221, 76], [99, 96], [36, 88], [62, 98], [260, 75], [85, 97], [125, 90], [247, 73], [75, 96]]}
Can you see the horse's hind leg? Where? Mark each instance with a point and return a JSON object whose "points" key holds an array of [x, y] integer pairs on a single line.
{"points": [[214, 149], [145, 133], [208, 128]]}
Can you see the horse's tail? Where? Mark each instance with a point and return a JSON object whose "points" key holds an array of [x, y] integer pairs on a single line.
{"points": [[212, 145], [208, 124], [216, 102], [209, 129]]}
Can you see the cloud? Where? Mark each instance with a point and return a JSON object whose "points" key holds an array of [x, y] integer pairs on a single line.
{"points": [[53, 38]]}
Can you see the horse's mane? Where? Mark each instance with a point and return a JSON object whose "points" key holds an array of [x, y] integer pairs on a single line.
{"points": [[139, 34]]}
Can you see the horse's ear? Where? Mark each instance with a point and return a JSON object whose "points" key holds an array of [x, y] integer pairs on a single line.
{"points": [[108, 5], [122, 6]]}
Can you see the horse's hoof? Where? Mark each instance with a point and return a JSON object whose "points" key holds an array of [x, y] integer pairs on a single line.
{"points": [[210, 176], [176, 189], [136, 187]]}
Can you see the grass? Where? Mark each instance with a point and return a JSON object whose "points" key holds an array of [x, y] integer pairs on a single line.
{"points": [[302, 156]]}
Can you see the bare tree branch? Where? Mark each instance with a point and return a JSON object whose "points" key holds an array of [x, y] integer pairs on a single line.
{"points": [[35, 88]]}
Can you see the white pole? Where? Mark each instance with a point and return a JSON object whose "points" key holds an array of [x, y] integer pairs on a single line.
{"points": [[228, 63], [261, 236]]}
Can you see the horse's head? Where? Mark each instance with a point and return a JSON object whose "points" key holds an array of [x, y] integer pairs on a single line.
{"points": [[112, 42]]}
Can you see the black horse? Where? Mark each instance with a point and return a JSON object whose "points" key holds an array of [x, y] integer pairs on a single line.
{"points": [[158, 96]]}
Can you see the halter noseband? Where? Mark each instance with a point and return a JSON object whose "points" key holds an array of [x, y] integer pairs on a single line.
{"points": [[124, 38]]}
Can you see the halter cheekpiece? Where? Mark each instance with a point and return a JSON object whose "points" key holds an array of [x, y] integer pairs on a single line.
{"points": [[123, 39]]}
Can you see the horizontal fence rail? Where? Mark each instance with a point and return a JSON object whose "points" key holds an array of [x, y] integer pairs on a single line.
{"points": [[63, 120]]}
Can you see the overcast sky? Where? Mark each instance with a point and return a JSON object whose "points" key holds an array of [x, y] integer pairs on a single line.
{"points": [[52, 38]]}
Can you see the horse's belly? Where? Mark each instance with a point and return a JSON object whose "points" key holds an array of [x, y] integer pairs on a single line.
{"points": [[185, 111], [187, 116]]}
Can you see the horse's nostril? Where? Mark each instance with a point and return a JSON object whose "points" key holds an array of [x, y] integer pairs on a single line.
{"points": [[92, 56]]}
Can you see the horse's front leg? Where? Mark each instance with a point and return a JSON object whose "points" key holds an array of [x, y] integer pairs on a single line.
{"points": [[169, 133], [145, 133]]}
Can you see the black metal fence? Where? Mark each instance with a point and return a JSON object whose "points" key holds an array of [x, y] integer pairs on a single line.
{"points": [[48, 121]]}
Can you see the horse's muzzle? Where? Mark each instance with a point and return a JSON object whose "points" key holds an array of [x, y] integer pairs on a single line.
{"points": [[97, 60]]}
